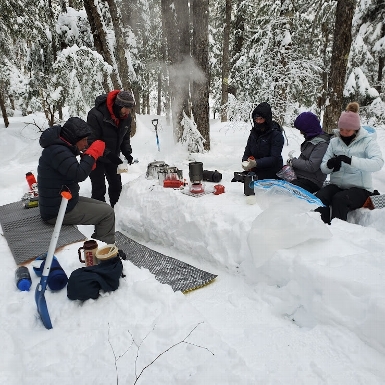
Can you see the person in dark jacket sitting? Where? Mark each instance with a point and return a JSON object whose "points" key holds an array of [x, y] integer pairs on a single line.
{"points": [[59, 168], [264, 146], [307, 165], [110, 121]]}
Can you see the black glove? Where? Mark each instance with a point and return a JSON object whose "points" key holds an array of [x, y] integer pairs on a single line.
{"points": [[129, 159], [345, 159], [334, 163], [114, 158]]}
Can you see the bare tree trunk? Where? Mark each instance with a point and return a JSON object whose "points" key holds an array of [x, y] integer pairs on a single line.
{"points": [[283, 55], [165, 76], [159, 101], [226, 60], [3, 110], [100, 40], [12, 102], [381, 63], [120, 55], [239, 30], [183, 11], [200, 52], [175, 15], [148, 103], [340, 54], [120, 46], [322, 98]]}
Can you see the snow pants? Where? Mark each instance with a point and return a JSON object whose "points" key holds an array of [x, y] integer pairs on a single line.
{"points": [[90, 211], [341, 201], [306, 184], [98, 178]]}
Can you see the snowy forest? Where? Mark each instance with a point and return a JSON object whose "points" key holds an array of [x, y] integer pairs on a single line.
{"points": [[196, 58]]}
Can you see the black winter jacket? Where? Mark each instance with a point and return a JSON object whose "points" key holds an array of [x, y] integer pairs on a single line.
{"points": [[58, 167], [266, 148], [117, 138], [86, 282]]}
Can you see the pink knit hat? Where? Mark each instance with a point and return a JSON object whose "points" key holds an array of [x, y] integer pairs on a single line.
{"points": [[349, 119]]}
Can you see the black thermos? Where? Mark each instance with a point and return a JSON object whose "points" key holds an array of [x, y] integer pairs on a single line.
{"points": [[249, 179]]}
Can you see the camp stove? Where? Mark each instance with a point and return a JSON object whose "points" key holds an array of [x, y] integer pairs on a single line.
{"points": [[196, 177], [196, 188]]}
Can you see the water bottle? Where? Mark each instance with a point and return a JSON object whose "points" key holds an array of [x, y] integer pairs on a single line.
{"points": [[31, 180], [23, 278]]}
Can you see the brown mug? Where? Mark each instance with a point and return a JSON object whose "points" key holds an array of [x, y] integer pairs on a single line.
{"points": [[90, 248]]}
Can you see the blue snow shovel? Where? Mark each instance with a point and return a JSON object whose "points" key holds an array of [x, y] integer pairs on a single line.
{"points": [[155, 124], [40, 288]]}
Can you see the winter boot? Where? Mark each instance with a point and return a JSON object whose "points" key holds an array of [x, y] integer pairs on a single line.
{"points": [[325, 213]]}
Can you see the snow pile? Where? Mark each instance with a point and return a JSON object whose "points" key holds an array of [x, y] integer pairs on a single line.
{"points": [[295, 301]]}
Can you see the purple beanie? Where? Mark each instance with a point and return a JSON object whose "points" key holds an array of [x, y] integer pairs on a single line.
{"points": [[349, 120], [309, 124]]}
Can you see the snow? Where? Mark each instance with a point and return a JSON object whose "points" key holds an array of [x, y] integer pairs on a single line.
{"points": [[295, 301], [358, 83]]}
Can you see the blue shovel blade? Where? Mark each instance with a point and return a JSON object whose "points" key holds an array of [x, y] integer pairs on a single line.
{"points": [[42, 304]]}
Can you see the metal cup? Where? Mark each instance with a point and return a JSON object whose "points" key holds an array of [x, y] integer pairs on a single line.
{"points": [[89, 250]]}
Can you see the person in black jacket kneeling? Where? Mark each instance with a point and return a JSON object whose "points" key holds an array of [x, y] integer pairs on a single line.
{"points": [[59, 168], [110, 121], [264, 146]]}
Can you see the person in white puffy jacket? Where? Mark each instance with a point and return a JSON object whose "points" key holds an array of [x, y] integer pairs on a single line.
{"points": [[350, 159]]}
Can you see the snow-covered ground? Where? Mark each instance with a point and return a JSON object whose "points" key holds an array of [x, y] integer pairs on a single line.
{"points": [[295, 301]]}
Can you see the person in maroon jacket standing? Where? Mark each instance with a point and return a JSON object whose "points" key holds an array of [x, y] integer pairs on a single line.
{"points": [[110, 121]]}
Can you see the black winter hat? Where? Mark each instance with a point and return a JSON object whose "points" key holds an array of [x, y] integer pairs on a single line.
{"points": [[75, 129], [264, 110], [125, 99]]}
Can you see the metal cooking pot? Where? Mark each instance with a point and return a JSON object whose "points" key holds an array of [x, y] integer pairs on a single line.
{"points": [[175, 170], [153, 169]]}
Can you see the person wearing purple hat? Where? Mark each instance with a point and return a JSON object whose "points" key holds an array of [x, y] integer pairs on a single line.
{"points": [[307, 165], [110, 121], [353, 154]]}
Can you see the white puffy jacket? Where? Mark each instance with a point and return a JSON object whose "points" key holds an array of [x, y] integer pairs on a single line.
{"points": [[366, 158]]}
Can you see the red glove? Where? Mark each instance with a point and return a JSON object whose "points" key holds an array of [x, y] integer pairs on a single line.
{"points": [[96, 149]]}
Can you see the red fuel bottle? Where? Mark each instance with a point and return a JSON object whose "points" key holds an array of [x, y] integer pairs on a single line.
{"points": [[30, 180]]}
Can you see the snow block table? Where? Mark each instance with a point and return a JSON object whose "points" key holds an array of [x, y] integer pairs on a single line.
{"points": [[179, 275], [28, 236]]}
